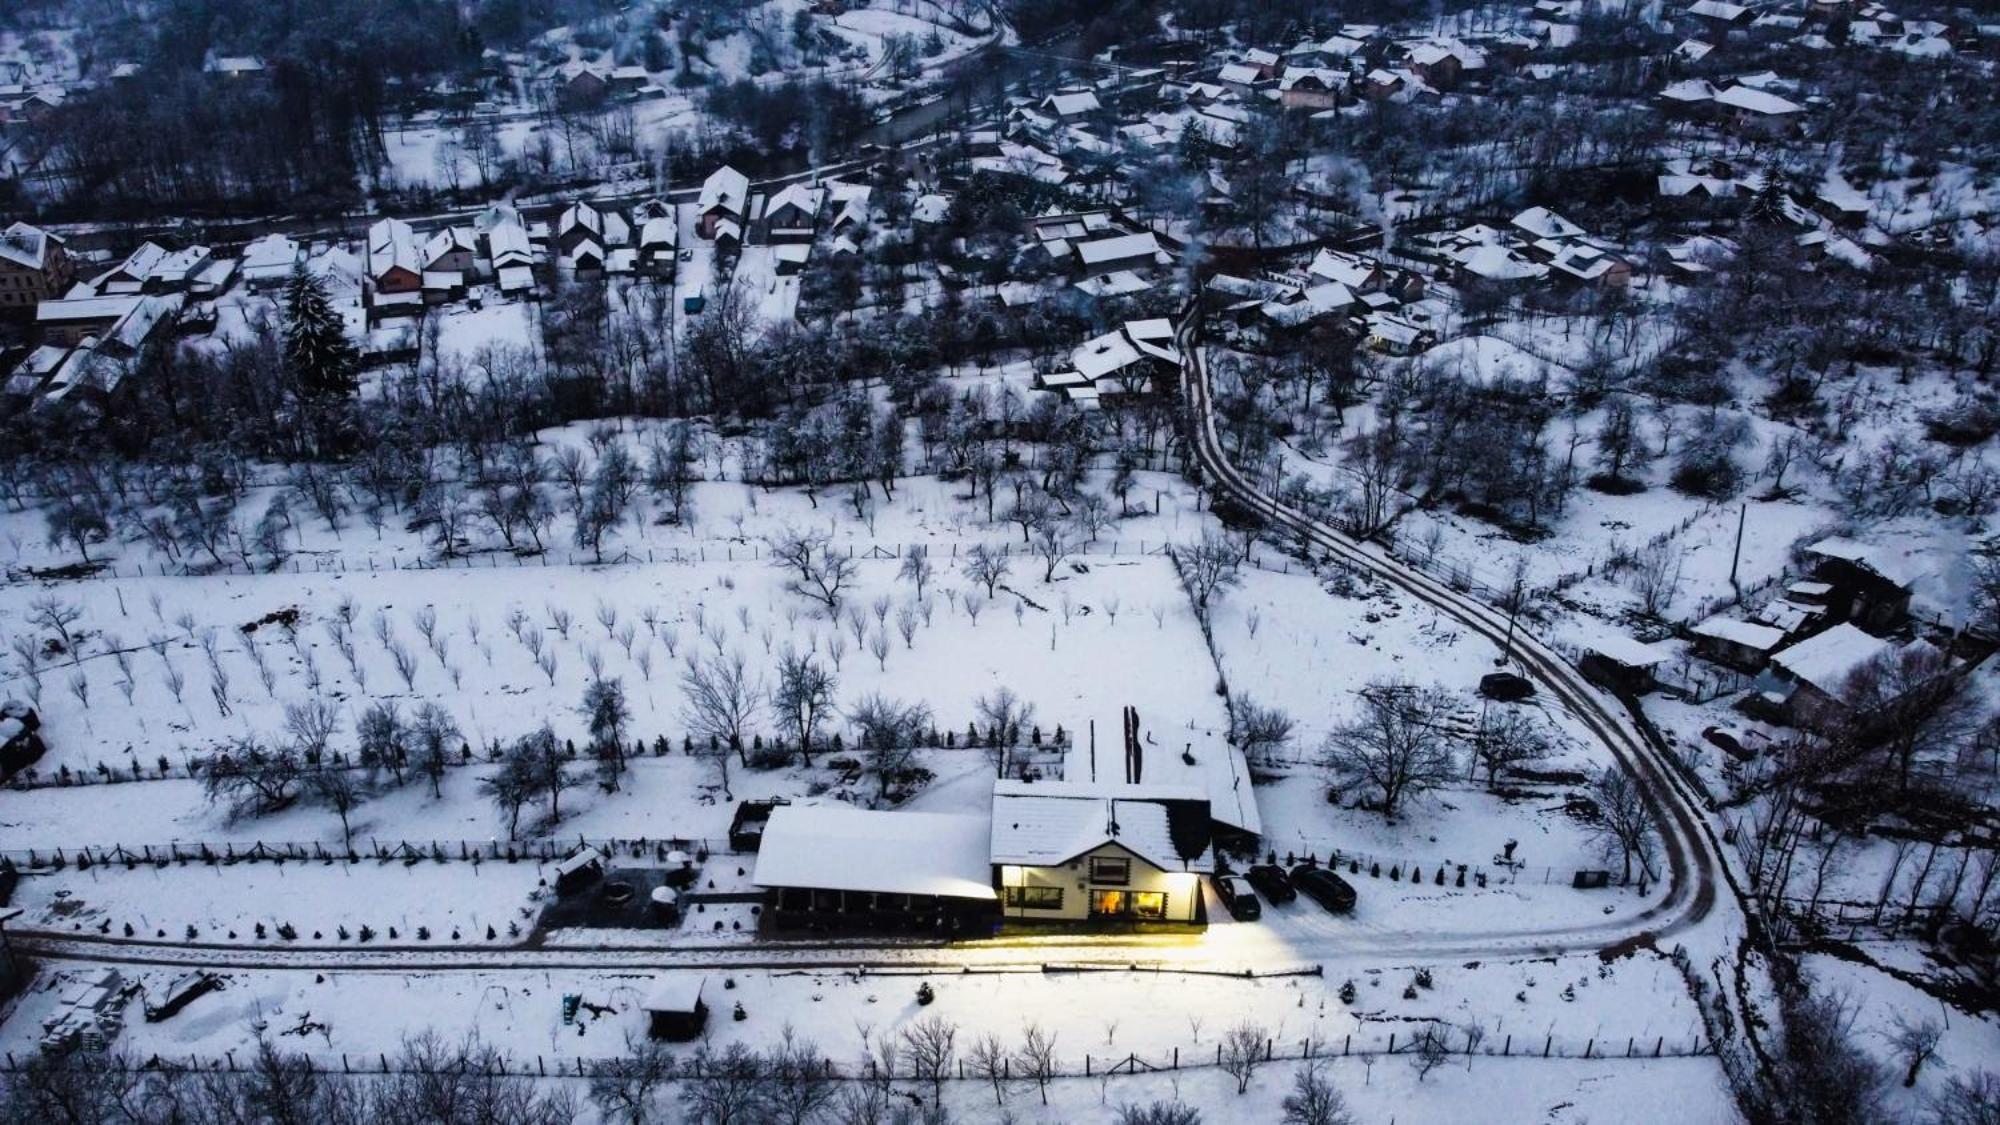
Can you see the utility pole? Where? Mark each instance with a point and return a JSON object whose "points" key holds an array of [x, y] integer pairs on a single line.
{"points": [[1736, 557]]}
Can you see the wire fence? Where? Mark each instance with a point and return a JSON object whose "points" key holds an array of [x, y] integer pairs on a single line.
{"points": [[546, 849], [1440, 1041]]}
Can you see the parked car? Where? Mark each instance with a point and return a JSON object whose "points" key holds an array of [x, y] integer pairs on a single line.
{"points": [[1271, 881], [1506, 687], [1235, 893], [1324, 887]]}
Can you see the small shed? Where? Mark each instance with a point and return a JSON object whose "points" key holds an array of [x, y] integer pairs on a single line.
{"points": [[746, 828], [674, 1008], [1622, 664], [579, 870], [1742, 644]]}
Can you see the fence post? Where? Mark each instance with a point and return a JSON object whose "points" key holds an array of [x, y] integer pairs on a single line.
{"points": [[1587, 1046], [1392, 1042], [1657, 1044], [1546, 1044], [1347, 1045], [1177, 1058], [1508, 1047]]}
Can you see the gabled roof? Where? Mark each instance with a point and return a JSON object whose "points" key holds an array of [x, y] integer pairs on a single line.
{"points": [[447, 240], [1118, 248], [1045, 824], [392, 244], [826, 847], [1757, 101], [725, 188], [26, 246], [1826, 660], [1544, 223], [1072, 104]]}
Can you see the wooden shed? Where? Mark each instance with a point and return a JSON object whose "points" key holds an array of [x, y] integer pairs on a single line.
{"points": [[674, 1008]]}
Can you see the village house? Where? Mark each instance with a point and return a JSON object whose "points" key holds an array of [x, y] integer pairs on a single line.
{"points": [[1310, 88], [34, 267], [658, 245], [791, 214], [1138, 358], [1866, 584], [394, 265], [268, 261], [1120, 252], [234, 68], [1075, 851], [1071, 105], [579, 83], [1808, 683], [723, 204], [1758, 112]]}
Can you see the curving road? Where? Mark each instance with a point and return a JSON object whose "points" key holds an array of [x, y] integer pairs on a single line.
{"points": [[1693, 851]]}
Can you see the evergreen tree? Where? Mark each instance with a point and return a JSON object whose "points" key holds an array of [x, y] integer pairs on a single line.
{"points": [[320, 360]]}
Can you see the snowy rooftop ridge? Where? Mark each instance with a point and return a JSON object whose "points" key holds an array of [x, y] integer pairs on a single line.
{"points": [[830, 847]]}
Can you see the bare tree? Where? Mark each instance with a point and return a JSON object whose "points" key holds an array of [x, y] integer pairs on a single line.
{"points": [[819, 572], [1259, 731], [312, 725], [1243, 1047], [1625, 822], [340, 790], [803, 698], [887, 734], [1396, 745], [1207, 567], [986, 566], [1036, 1057], [255, 780], [1508, 740], [723, 1086], [1429, 1051], [722, 697], [627, 1088], [917, 570], [930, 1044], [1314, 1100], [1916, 1043], [987, 1058], [798, 1086], [1049, 539]]}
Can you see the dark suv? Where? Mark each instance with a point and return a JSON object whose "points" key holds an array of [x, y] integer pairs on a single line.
{"points": [[1271, 882], [1324, 887]]}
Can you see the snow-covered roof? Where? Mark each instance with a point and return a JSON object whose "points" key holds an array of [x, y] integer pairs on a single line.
{"points": [[1239, 74], [392, 244], [675, 992], [1044, 824], [1761, 638], [930, 208], [1622, 649], [797, 194], [1689, 90], [725, 188], [1544, 223], [1117, 283], [579, 861], [1887, 562], [1753, 100], [1119, 248], [26, 246], [833, 848], [1826, 660], [270, 255], [1072, 104], [1497, 263], [1351, 270], [1718, 10]]}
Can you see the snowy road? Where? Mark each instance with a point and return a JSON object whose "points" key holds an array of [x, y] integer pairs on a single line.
{"points": [[1693, 850]]}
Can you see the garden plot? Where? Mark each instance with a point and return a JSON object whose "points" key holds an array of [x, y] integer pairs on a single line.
{"points": [[321, 902], [512, 649]]}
